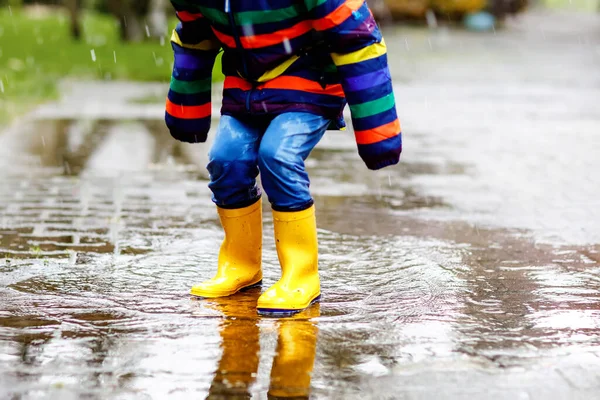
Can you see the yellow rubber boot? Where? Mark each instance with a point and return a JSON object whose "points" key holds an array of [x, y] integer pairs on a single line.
{"points": [[297, 248], [240, 255]]}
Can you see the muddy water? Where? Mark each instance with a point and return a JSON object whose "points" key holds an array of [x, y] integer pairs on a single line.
{"points": [[463, 272]]}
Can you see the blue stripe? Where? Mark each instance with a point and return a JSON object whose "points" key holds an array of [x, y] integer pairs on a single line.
{"points": [[374, 121], [364, 67], [196, 99], [188, 126], [386, 150], [190, 74], [189, 61], [370, 94], [366, 81]]}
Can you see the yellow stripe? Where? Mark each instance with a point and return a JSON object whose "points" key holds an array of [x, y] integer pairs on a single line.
{"points": [[278, 71], [373, 51], [203, 45]]}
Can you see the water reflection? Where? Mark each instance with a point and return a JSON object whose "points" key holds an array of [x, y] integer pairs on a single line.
{"points": [[295, 358], [238, 366]]}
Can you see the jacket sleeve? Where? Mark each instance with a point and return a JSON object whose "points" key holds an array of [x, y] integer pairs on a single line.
{"points": [[359, 52], [188, 108]]}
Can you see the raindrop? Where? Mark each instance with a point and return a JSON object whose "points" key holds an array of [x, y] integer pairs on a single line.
{"points": [[158, 60], [1, 85], [10, 10], [431, 19], [248, 30], [115, 56], [147, 31], [390, 179], [162, 40], [93, 53], [43, 141], [72, 257], [227, 6], [287, 46], [406, 44]]}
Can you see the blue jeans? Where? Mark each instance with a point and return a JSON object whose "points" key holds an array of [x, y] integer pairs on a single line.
{"points": [[277, 147]]}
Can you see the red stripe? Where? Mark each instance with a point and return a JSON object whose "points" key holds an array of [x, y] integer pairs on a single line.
{"points": [[286, 83], [304, 85], [227, 40], [185, 16], [339, 15], [269, 39], [189, 112], [233, 82], [378, 134]]}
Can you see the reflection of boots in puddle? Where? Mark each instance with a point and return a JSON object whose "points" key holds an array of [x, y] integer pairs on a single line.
{"points": [[295, 358], [238, 365]]}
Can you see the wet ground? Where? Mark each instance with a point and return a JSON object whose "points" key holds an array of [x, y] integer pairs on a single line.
{"points": [[472, 270]]}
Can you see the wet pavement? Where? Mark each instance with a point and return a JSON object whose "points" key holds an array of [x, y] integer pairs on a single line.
{"points": [[472, 270]]}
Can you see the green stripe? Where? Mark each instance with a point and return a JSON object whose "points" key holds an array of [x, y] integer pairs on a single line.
{"points": [[373, 107], [191, 87], [330, 68], [312, 4], [215, 15], [251, 17], [263, 17]]}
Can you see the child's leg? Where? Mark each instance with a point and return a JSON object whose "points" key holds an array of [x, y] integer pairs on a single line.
{"points": [[233, 164], [233, 170], [285, 146]]}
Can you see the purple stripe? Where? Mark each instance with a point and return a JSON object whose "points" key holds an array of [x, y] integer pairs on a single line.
{"points": [[233, 109], [188, 61], [366, 81]]}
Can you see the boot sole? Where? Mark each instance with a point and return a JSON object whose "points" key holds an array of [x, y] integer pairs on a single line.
{"points": [[244, 289], [282, 313]]}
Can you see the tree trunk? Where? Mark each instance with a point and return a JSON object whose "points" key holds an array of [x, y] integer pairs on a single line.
{"points": [[74, 7], [130, 14], [380, 10], [157, 18]]}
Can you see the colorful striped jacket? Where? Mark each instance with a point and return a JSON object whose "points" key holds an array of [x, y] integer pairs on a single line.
{"points": [[285, 55]]}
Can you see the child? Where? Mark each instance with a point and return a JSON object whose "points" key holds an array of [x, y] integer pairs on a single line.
{"points": [[290, 66]]}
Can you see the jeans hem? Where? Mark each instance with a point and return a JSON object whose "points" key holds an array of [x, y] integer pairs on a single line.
{"points": [[303, 207], [237, 206]]}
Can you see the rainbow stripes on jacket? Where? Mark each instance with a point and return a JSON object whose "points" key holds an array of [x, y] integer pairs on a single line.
{"points": [[285, 55]]}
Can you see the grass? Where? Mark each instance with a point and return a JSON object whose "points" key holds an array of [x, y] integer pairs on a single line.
{"points": [[580, 5], [37, 51]]}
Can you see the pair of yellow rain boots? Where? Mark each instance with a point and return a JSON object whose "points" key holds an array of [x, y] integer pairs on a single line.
{"points": [[239, 265]]}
